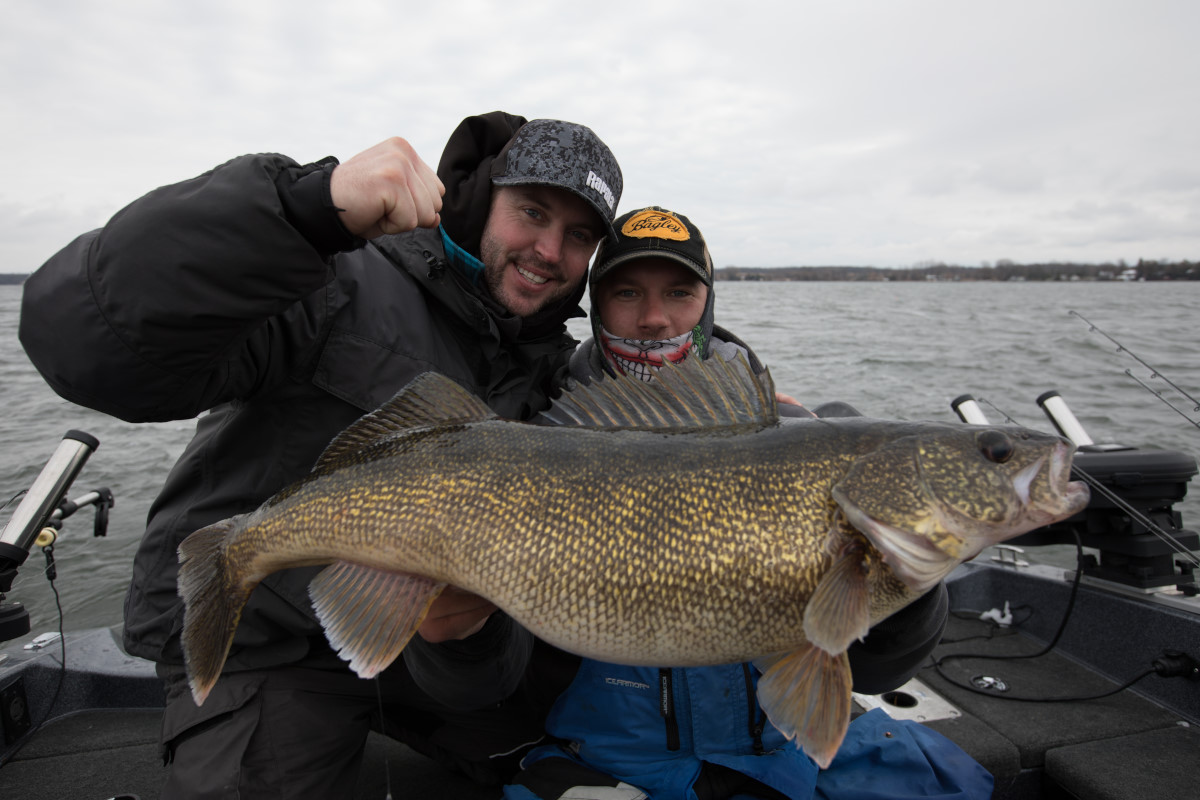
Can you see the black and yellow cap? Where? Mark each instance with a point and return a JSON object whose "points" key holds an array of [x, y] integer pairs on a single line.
{"points": [[653, 232]]}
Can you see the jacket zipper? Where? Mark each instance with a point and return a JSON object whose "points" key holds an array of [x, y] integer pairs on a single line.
{"points": [[666, 707], [758, 718], [434, 263]]}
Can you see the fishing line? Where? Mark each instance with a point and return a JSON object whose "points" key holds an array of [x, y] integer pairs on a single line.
{"points": [[10, 500], [995, 408], [387, 763], [1150, 525], [1154, 371]]}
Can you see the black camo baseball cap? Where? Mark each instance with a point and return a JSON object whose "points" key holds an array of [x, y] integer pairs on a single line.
{"points": [[654, 232], [550, 152]]}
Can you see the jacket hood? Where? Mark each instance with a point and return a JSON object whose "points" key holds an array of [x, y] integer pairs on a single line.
{"points": [[466, 171]]}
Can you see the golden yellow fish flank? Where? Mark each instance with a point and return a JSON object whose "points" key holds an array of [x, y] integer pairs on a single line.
{"points": [[677, 523]]}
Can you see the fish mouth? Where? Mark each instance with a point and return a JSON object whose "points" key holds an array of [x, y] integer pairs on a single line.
{"points": [[1058, 505]]}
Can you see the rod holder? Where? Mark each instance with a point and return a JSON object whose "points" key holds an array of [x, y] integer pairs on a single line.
{"points": [[1064, 421], [968, 410], [45, 494]]}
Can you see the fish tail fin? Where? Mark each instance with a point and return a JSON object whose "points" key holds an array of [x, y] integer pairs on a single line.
{"points": [[806, 695], [212, 605]]}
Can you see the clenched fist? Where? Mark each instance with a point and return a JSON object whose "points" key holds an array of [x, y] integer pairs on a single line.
{"points": [[387, 189]]}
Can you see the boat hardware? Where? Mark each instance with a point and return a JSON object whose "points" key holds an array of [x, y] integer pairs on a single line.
{"points": [[45, 494], [39, 517], [968, 410], [42, 640], [1064, 421], [989, 683], [914, 701], [1007, 555]]}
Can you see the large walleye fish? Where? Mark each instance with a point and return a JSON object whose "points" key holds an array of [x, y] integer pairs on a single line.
{"points": [[675, 523]]}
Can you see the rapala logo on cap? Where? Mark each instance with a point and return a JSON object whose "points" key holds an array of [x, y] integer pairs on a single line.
{"points": [[596, 182], [657, 225]]}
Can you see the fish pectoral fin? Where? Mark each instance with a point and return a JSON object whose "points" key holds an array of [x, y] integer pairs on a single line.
{"points": [[806, 695], [370, 614], [839, 610]]}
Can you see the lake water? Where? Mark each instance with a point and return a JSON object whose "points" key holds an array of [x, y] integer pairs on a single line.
{"points": [[893, 350]]}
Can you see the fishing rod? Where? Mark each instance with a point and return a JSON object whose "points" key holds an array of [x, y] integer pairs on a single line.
{"points": [[1158, 393], [1154, 372]]}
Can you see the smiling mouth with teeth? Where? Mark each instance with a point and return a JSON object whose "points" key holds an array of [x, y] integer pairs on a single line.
{"points": [[529, 276]]}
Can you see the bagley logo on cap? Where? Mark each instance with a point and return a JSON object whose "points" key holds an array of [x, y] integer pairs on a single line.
{"points": [[649, 224], [594, 181]]}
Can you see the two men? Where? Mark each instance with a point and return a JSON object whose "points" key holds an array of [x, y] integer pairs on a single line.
{"points": [[252, 293]]}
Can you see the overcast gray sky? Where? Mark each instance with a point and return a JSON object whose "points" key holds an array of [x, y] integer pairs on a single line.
{"points": [[798, 133]]}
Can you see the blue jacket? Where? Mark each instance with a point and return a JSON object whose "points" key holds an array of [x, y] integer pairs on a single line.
{"points": [[654, 728]]}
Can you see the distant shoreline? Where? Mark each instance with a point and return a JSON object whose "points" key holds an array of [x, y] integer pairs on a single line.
{"points": [[1002, 271]]}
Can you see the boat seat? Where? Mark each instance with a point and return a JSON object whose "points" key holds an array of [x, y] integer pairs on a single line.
{"points": [[1160, 763], [1033, 730]]}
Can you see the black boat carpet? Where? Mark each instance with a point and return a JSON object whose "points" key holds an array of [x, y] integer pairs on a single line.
{"points": [[1075, 737]]}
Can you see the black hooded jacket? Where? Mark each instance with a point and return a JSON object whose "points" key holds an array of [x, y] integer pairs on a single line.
{"points": [[238, 293]]}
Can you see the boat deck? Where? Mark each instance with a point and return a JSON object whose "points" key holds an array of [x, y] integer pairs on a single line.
{"points": [[1140, 742]]}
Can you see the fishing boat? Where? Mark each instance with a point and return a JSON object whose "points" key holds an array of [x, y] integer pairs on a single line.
{"points": [[1063, 683]]}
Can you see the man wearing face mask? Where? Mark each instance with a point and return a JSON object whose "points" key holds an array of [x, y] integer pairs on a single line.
{"points": [[627, 733]]}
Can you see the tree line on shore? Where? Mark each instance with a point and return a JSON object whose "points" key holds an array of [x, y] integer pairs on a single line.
{"points": [[1144, 270], [1003, 270]]}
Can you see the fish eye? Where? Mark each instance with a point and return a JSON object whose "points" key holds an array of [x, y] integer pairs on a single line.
{"points": [[995, 446]]}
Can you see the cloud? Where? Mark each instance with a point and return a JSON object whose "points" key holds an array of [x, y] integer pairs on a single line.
{"points": [[792, 133]]}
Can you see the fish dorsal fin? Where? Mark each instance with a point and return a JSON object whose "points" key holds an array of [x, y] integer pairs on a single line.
{"points": [[694, 394], [429, 399]]}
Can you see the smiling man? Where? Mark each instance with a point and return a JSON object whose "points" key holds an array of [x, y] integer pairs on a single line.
{"points": [[287, 300], [536, 246]]}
